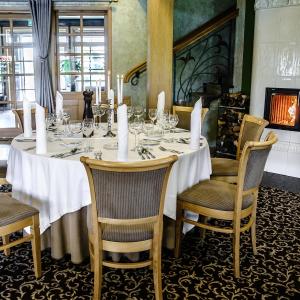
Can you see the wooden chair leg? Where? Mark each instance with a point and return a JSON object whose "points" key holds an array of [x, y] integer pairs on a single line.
{"points": [[157, 268], [178, 230], [253, 237], [36, 246], [236, 253], [91, 251], [202, 220], [97, 272], [5, 240]]}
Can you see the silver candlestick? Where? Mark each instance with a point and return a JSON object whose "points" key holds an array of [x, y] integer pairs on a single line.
{"points": [[110, 114]]}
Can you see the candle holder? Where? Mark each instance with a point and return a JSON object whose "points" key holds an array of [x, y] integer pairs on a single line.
{"points": [[110, 113]]}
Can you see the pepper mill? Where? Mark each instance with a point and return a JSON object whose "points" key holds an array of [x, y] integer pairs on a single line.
{"points": [[87, 97]]}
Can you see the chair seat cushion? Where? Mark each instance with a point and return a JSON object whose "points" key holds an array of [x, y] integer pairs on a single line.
{"points": [[213, 194], [224, 167], [12, 210]]}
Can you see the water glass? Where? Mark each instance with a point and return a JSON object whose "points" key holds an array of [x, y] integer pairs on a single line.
{"points": [[152, 113], [136, 127]]}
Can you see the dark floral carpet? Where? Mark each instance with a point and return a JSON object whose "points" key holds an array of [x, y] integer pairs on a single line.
{"points": [[204, 270]]}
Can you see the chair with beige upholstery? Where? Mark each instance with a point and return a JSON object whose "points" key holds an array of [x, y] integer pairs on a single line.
{"points": [[226, 201], [226, 169], [184, 115], [19, 117], [15, 216], [127, 213]]}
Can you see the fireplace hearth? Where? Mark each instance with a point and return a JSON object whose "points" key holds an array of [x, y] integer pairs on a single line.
{"points": [[282, 108]]}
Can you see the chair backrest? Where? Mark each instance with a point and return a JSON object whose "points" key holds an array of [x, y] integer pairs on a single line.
{"points": [[127, 191], [253, 161], [184, 115], [251, 130], [19, 117]]}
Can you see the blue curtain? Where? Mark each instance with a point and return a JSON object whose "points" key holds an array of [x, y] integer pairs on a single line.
{"points": [[41, 26]]}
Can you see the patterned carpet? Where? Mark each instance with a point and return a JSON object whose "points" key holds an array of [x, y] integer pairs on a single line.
{"points": [[204, 270]]}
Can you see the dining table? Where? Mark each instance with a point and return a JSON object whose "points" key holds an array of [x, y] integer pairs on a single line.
{"points": [[57, 185]]}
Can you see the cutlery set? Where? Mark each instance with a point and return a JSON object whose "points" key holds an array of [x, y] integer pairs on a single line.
{"points": [[144, 153], [74, 151]]}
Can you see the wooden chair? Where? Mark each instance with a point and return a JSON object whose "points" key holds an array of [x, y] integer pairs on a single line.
{"points": [[127, 213], [19, 117], [15, 216], [225, 201], [184, 115], [226, 169]]}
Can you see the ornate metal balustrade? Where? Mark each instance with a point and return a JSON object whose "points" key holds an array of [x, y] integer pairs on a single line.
{"points": [[209, 60]]}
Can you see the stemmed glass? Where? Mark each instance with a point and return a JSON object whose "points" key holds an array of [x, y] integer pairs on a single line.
{"points": [[152, 113], [65, 118], [95, 109], [102, 111], [136, 127], [173, 121], [87, 128], [138, 111], [130, 112]]}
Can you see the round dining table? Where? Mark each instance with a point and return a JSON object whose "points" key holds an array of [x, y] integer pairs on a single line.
{"points": [[57, 185]]}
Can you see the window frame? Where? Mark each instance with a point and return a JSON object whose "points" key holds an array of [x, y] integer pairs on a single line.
{"points": [[106, 12], [12, 101]]}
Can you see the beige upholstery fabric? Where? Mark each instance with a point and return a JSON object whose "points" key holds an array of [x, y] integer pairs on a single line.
{"points": [[12, 210], [250, 133], [224, 167], [184, 119], [213, 194]]}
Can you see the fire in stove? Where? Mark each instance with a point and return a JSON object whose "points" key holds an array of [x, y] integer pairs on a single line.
{"points": [[282, 108]]}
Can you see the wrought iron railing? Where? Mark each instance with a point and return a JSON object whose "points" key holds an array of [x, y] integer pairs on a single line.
{"points": [[203, 56], [209, 60]]}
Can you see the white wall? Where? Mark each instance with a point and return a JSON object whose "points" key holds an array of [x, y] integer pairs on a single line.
{"points": [[276, 63]]}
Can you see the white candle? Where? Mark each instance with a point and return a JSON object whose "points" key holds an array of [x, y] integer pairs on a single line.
{"points": [[118, 89], [27, 118], [121, 88], [97, 92], [108, 80]]}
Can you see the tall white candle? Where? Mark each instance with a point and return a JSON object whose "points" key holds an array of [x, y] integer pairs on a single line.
{"points": [[97, 92], [27, 118], [108, 80], [121, 88], [118, 89]]}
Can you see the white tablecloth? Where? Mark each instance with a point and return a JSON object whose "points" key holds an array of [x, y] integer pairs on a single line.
{"points": [[59, 186]]}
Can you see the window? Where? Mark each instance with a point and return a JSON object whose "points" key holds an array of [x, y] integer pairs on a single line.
{"points": [[81, 51], [16, 59]]}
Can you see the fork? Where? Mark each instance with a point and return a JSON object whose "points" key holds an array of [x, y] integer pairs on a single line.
{"points": [[170, 150]]}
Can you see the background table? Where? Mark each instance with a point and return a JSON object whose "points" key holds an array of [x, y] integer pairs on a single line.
{"points": [[59, 188]]}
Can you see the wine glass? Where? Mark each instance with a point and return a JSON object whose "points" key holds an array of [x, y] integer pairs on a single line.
{"points": [[136, 127], [87, 128], [152, 113], [95, 109], [75, 127], [173, 121], [138, 111], [65, 119], [130, 111]]}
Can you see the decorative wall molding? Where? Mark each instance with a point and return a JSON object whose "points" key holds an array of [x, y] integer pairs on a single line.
{"points": [[264, 4]]}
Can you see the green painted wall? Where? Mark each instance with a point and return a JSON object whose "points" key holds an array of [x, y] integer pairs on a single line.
{"points": [[129, 44], [190, 14]]}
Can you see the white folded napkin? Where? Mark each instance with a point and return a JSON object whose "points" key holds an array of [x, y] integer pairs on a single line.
{"points": [[122, 133], [195, 127], [59, 109], [111, 103], [200, 115], [41, 134], [27, 119], [161, 102]]}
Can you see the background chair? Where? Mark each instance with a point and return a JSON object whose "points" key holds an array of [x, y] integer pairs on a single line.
{"points": [[127, 213], [223, 200], [226, 169], [184, 115], [19, 117], [15, 216]]}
